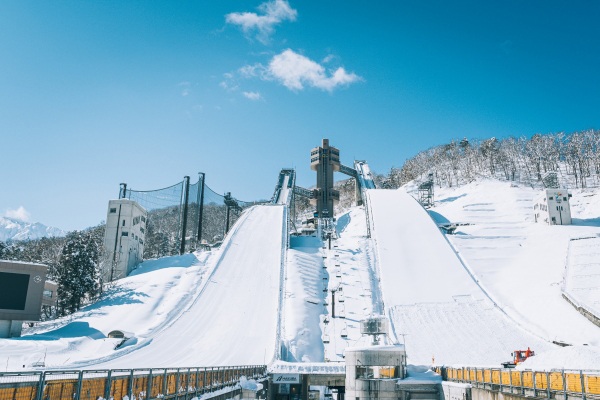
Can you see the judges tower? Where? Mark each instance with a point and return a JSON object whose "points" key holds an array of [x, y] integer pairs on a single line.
{"points": [[325, 160]]}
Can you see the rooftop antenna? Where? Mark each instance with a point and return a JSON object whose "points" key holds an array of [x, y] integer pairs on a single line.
{"points": [[374, 326]]}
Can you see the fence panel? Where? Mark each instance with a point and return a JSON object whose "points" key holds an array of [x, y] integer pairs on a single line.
{"points": [[540, 380], [496, 376], [61, 385], [16, 386], [516, 378], [592, 384], [527, 379], [573, 382], [93, 385], [556, 381]]}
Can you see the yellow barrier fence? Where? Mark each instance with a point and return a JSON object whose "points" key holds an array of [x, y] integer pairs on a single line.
{"points": [[171, 384], [585, 383]]}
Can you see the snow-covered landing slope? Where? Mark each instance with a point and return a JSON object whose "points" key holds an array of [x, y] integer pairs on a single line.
{"points": [[430, 296], [234, 319], [521, 263]]}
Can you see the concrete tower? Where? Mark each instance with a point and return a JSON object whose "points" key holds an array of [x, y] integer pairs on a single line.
{"points": [[325, 160], [124, 238]]}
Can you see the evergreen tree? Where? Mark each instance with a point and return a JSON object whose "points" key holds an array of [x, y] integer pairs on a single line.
{"points": [[78, 273]]}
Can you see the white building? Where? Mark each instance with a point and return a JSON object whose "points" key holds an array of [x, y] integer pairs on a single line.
{"points": [[552, 207], [124, 238]]}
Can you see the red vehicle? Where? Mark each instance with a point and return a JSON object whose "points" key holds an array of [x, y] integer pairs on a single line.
{"points": [[518, 357]]}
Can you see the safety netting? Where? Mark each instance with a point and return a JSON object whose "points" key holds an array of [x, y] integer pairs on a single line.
{"points": [[185, 216]]}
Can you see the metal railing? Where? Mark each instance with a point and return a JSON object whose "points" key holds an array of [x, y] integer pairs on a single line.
{"points": [[550, 384], [119, 384]]}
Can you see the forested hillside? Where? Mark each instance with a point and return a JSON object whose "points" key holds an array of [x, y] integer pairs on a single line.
{"points": [[574, 157]]}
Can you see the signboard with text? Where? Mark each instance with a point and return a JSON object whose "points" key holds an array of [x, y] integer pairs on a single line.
{"points": [[286, 378]]}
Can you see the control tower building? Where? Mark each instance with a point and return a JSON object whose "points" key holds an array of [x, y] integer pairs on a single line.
{"points": [[325, 160]]}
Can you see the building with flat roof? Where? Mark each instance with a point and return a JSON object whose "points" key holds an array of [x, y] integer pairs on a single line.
{"points": [[552, 207], [124, 238], [21, 292]]}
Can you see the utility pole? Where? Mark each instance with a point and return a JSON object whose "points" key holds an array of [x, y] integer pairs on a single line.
{"points": [[200, 207], [186, 194]]}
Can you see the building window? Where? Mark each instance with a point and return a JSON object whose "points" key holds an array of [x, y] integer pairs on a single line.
{"points": [[113, 210], [125, 233], [123, 222], [48, 293], [550, 198], [564, 198], [142, 230], [141, 241], [143, 219], [376, 372]]}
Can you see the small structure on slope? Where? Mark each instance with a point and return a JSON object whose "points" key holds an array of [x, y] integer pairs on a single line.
{"points": [[426, 192], [552, 207]]}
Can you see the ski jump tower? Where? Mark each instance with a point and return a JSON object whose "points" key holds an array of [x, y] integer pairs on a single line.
{"points": [[325, 160]]}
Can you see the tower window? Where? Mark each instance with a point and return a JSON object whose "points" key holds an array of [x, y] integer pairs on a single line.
{"points": [[113, 210]]}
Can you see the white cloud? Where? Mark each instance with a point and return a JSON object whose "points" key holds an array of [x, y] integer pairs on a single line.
{"points": [[294, 71], [252, 95], [328, 58], [228, 86], [20, 214], [274, 13], [249, 71], [186, 88]]}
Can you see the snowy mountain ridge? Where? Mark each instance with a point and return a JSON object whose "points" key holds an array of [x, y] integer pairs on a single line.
{"points": [[14, 229]]}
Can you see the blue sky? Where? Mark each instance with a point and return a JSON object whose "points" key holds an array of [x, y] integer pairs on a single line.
{"points": [[98, 93]]}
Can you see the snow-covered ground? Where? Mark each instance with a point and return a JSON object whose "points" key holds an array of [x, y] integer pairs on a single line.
{"points": [[521, 263], [150, 298], [197, 309], [233, 321], [312, 272], [14, 229], [582, 279], [465, 299], [434, 304]]}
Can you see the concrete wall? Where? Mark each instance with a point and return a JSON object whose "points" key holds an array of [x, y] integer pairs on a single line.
{"points": [[10, 328], [583, 311]]}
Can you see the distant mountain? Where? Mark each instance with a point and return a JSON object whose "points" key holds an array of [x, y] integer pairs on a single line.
{"points": [[14, 229]]}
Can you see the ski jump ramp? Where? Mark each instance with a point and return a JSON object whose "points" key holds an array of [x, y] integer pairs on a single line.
{"points": [[431, 298], [234, 319], [413, 250]]}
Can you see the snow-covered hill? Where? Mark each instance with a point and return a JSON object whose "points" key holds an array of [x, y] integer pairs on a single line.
{"points": [[14, 229]]}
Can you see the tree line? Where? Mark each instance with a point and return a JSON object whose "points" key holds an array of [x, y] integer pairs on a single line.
{"points": [[72, 261], [574, 157]]}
